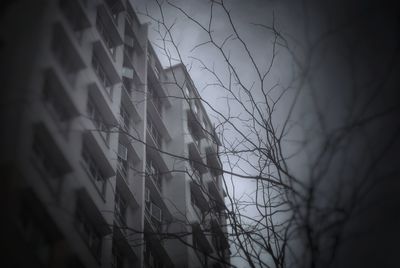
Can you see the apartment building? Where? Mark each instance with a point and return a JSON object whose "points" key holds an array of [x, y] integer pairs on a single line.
{"points": [[108, 160]]}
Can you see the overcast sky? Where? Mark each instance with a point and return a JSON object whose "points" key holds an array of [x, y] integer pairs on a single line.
{"points": [[357, 45]]}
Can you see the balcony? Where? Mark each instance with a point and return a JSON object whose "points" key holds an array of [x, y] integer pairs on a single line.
{"points": [[124, 119], [154, 253], [132, 155], [106, 38], [155, 176], [104, 68], [200, 241], [98, 153], [155, 119], [76, 15], [58, 101], [103, 103], [197, 193], [120, 211], [153, 215], [128, 53], [156, 211], [195, 139], [48, 157], [154, 104], [122, 186], [90, 223], [66, 54], [153, 184], [122, 168], [219, 238], [156, 139], [132, 24], [115, 7], [213, 160], [132, 58], [127, 101], [110, 23], [121, 243], [216, 193], [86, 204], [195, 155], [156, 77], [194, 125]]}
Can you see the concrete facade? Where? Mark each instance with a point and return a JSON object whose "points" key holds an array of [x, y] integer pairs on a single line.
{"points": [[104, 163]]}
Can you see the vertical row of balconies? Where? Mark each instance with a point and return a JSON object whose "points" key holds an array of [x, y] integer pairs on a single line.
{"points": [[63, 85], [110, 122], [204, 169]]}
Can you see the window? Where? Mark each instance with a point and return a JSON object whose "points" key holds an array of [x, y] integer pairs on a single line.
{"points": [[94, 171], [45, 159], [98, 120], [125, 118], [154, 132], [152, 209], [101, 74], [34, 234], [150, 259], [75, 16], [128, 85], [154, 173], [120, 209], [105, 36], [88, 231], [195, 173], [197, 246], [154, 97], [64, 53], [57, 108], [195, 205]]}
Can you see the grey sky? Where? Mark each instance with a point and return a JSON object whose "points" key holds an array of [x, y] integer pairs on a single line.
{"points": [[350, 47]]}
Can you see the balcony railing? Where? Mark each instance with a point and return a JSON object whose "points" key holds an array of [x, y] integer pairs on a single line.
{"points": [[154, 134], [155, 176], [101, 74], [106, 38], [151, 210], [157, 105]]}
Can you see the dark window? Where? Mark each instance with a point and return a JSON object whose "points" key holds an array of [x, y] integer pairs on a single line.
{"points": [[88, 231]]}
